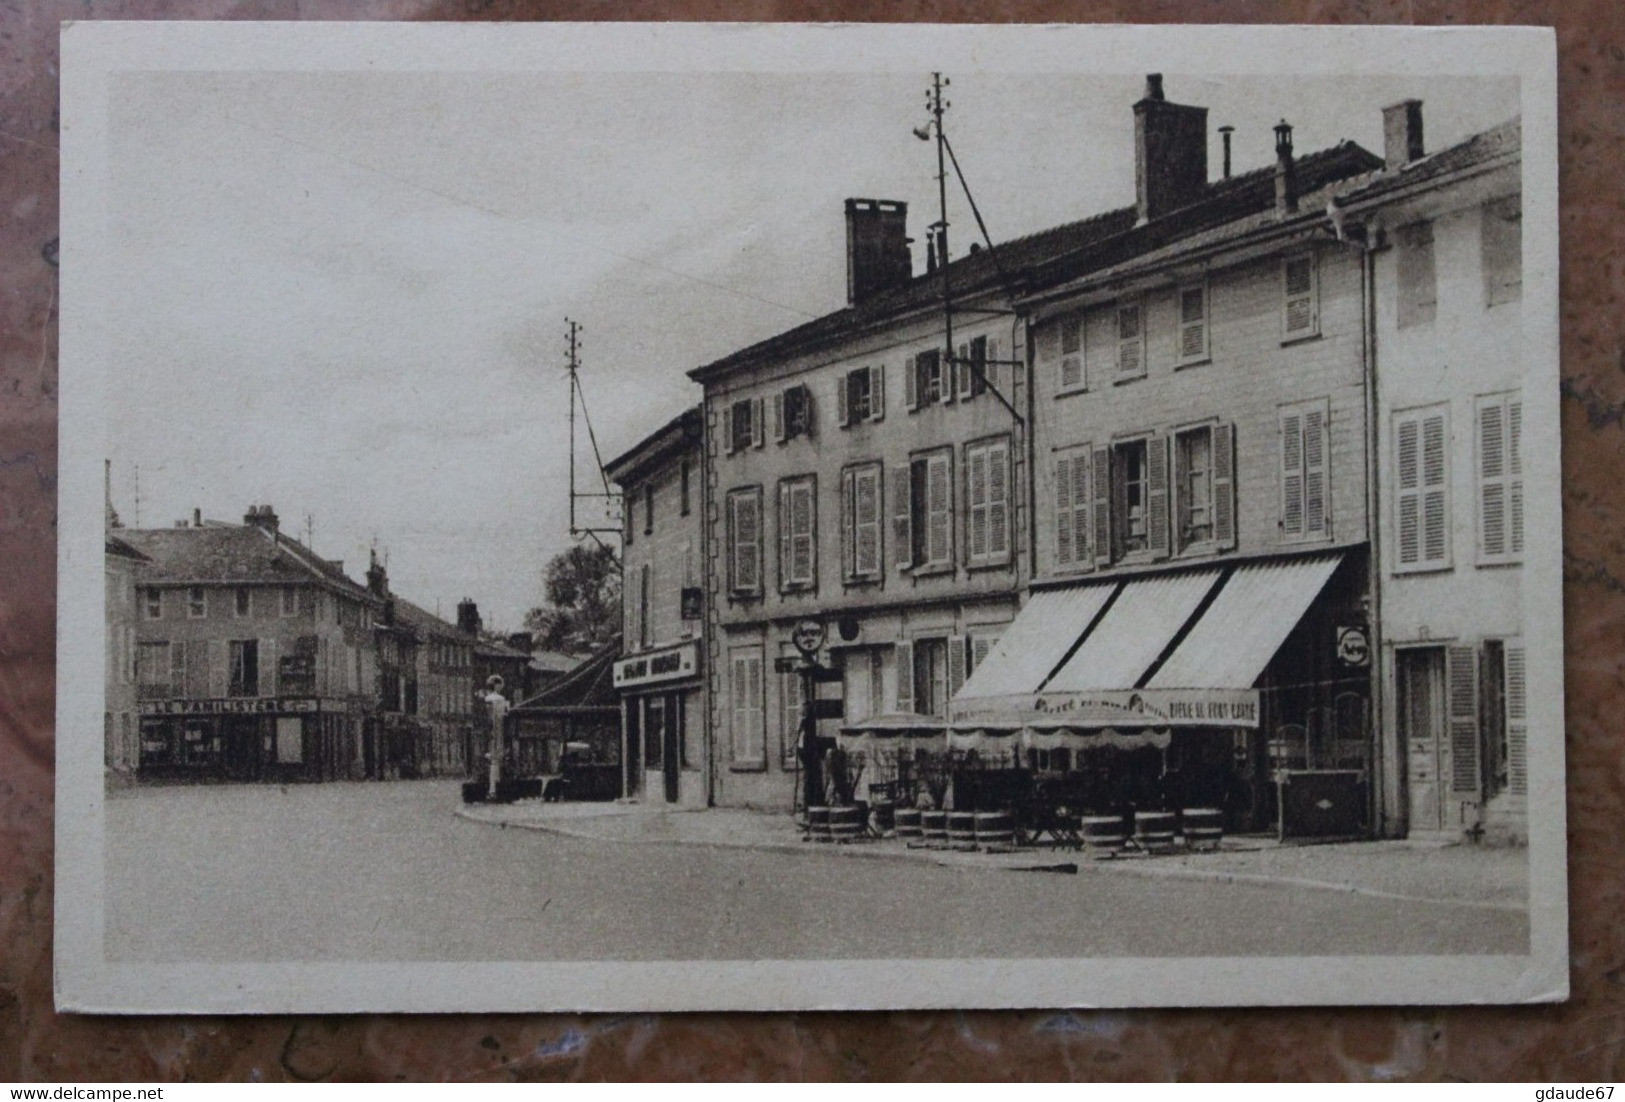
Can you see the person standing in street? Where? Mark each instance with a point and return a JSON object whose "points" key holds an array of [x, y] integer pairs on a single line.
{"points": [[497, 710]]}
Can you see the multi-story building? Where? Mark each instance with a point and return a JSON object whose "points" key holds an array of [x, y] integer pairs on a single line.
{"points": [[661, 674], [442, 692], [121, 715], [1200, 545], [1446, 266], [254, 656]]}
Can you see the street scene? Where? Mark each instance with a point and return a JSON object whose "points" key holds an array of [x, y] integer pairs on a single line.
{"points": [[1070, 541]]}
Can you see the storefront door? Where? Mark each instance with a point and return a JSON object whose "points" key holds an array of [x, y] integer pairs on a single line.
{"points": [[634, 746], [1420, 704], [242, 747], [672, 747]]}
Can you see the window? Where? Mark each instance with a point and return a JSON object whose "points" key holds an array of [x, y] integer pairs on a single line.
{"points": [[1071, 375], [798, 533], [863, 684], [1072, 508], [1193, 324], [929, 512], [1500, 478], [978, 368], [860, 523], [792, 413], [290, 601], [742, 425], [242, 603], [1421, 490], [648, 508], [745, 541], [685, 476], [244, 675], [1130, 341], [1132, 522], [154, 671], [1501, 242], [1418, 286], [155, 604], [790, 686], [938, 672], [1305, 474], [1204, 488], [656, 716], [1300, 297], [987, 498], [196, 603], [928, 383], [860, 395], [745, 741], [1131, 487]]}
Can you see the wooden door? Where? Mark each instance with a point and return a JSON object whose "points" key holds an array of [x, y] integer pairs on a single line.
{"points": [[1420, 704]]}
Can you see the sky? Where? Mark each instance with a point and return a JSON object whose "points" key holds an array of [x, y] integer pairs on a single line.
{"points": [[344, 293]]}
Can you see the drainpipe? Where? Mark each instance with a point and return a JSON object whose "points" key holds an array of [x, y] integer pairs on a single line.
{"points": [[1381, 813], [1031, 432]]}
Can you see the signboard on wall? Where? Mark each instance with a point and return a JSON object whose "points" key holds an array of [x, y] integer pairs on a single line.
{"points": [[669, 664], [1123, 708]]}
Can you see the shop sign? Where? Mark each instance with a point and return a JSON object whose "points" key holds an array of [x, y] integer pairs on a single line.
{"points": [[1353, 646], [231, 706], [1125, 708], [662, 665], [808, 636]]}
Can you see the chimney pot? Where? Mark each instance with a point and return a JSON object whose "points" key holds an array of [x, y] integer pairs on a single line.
{"points": [[197, 518], [1153, 86], [1170, 152], [1402, 133], [1286, 176], [877, 253], [1224, 133]]}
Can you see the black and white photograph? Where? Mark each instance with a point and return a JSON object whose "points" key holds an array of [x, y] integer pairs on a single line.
{"points": [[612, 517]]}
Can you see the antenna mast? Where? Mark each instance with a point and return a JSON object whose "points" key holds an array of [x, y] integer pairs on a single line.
{"points": [[605, 499]]}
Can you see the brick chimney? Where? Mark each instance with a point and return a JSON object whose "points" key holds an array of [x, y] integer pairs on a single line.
{"points": [[1402, 133], [877, 254], [377, 577], [1170, 152], [1286, 173], [261, 516], [468, 617]]}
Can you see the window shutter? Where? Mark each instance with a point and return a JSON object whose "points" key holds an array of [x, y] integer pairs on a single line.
{"points": [[1314, 473], [268, 668], [1435, 498], [905, 676], [791, 683], [177, 668], [1408, 489], [877, 393], [1517, 711], [1224, 484], [902, 517], [1462, 692], [786, 535], [218, 664], [967, 367], [977, 495], [1100, 480], [1515, 468], [841, 386], [1130, 341], [956, 664], [758, 423], [867, 508], [1292, 473], [778, 418], [991, 366], [802, 524], [1300, 315], [747, 542], [940, 510], [728, 429], [1193, 323], [954, 372], [1067, 551], [849, 535], [809, 412], [998, 500], [1071, 374], [1156, 470], [980, 645], [911, 383], [1492, 480]]}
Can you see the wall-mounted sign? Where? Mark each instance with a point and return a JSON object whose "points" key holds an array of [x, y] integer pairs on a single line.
{"points": [[235, 706], [808, 636], [692, 601], [1123, 708], [1353, 646], [669, 664]]}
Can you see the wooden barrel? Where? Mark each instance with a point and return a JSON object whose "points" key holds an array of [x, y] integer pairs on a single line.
{"points": [[818, 823], [1104, 835], [845, 823], [995, 828], [907, 822], [962, 829], [1203, 827], [934, 827], [883, 817], [1154, 831]]}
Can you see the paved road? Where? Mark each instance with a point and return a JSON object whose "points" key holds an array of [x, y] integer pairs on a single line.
{"points": [[386, 872]]}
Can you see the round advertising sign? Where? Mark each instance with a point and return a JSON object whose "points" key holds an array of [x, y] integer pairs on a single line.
{"points": [[808, 636], [1353, 646]]}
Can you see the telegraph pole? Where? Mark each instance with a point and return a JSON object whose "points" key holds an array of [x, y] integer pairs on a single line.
{"points": [[937, 106]]}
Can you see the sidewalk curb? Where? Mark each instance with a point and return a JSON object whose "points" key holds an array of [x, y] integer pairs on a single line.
{"points": [[950, 859]]}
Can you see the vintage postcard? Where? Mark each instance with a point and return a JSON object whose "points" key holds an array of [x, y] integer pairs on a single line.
{"points": [[620, 517]]}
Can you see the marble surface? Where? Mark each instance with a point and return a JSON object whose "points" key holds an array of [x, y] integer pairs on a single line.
{"points": [[1581, 1040]]}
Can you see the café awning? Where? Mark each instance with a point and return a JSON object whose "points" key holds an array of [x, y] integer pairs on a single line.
{"points": [[1035, 643], [1239, 633], [1134, 632]]}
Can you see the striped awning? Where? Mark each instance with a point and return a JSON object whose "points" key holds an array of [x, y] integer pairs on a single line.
{"points": [[1035, 643], [1134, 632]]}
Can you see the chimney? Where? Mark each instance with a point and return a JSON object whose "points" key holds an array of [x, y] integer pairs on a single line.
{"points": [[1224, 133], [1286, 175], [1402, 133], [522, 641], [468, 617], [262, 517], [877, 254], [197, 518], [1170, 152], [377, 577]]}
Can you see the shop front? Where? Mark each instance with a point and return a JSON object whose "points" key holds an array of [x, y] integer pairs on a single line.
{"points": [[249, 739], [660, 695]]}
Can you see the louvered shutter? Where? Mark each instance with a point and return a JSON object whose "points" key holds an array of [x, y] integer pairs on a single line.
{"points": [[911, 383], [778, 418], [1224, 485], [1156, 470], [758, 423], [1300, 314], [1517, 711], [1100, 481], [991, 366], [809, 412], [940, 510], [998, 501], [1315, 480], [1193, 324], [1435, 497], [790, 684], [877, 393], [787, 575], [1515, 472], [269, 681], [803, 523], [727, 439], [1292, 473], [867, 508], [1492, 480], [849, 535], [979, 647], [1461, 690], [956, 664], [954, 371], [905, 677], [969, 368], [976, 492], [841, 397], [1130, 342], [1067, 551], [1408, 489], [219, 663], [902, 517], [1071, 372], [747, 541]]}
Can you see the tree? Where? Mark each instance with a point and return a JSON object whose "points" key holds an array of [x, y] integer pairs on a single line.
{"points": [[583, 610]]}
